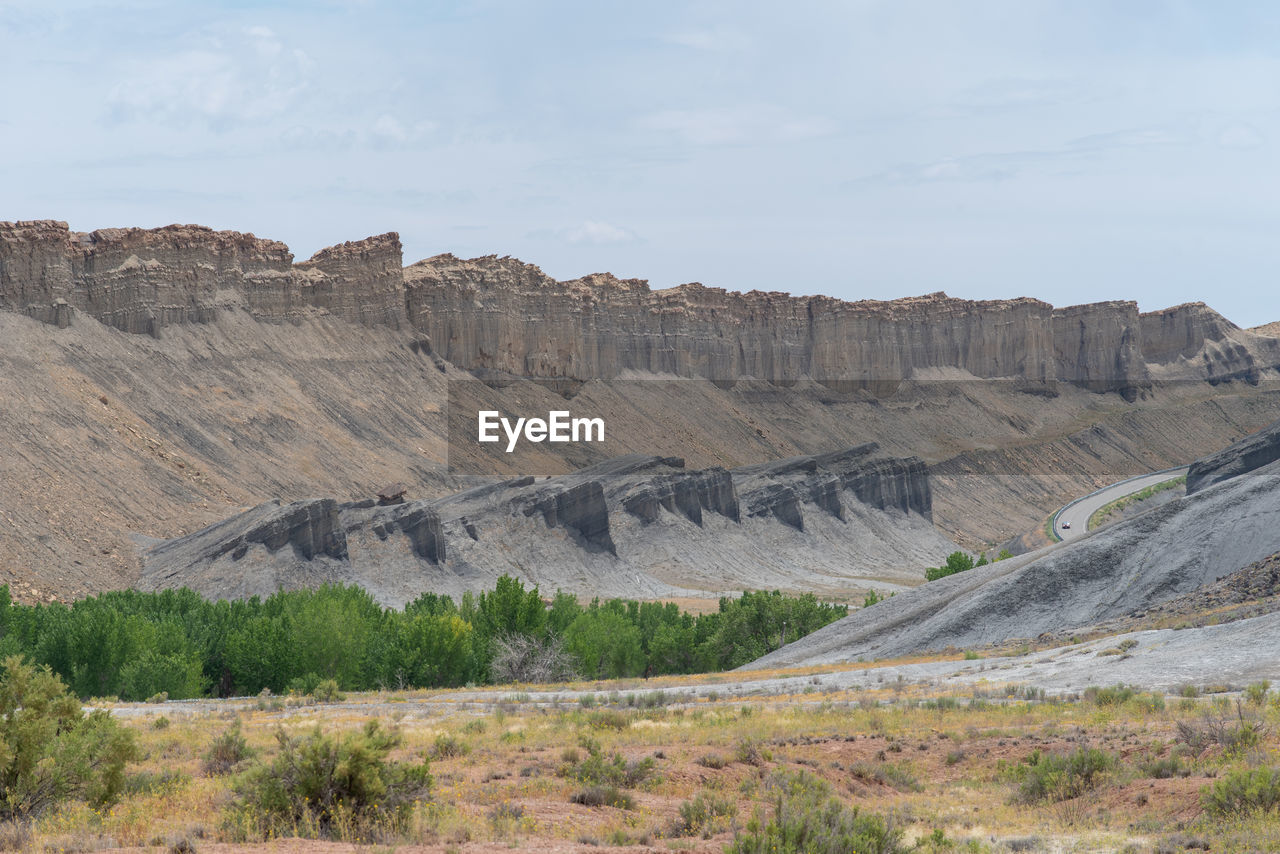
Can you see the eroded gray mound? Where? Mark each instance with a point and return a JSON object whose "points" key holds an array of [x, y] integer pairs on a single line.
{"points": [[1249, 454], [1126, 568], [634, 526]]}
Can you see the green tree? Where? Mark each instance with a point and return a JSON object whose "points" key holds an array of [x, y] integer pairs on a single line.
{"points": [[605, 644], [956, 562]]}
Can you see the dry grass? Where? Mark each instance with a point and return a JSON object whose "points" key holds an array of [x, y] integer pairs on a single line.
{"points": [[947, 763]]}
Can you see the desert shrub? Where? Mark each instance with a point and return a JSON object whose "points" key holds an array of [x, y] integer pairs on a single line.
{"points": [[447, 746], [155, 782], [749, 752], [713, 761], [615, 770], [326, 691], [327, 786], [1163, 769], [1243, 791], [1235, 735], [1257, 692], [1060, 778], [893, 776], [226, 752], [704, 815], [50, 750], [808, 819], [608, 719], [602, 796], [1114, 696]]}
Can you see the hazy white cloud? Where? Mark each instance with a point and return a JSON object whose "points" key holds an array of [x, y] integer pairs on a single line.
{"points": [[1240, 136], [714, 40], [737, 125], [219, 82], [1007, 165], [596, 233], [588, 233]]}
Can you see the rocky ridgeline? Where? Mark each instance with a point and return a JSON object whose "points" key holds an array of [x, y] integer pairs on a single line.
{"points": [[499, 314], [592, 531], [141, 280]]}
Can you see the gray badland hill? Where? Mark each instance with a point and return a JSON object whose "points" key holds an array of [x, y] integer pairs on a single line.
{"points": [[1117, 571], [633, 526]]}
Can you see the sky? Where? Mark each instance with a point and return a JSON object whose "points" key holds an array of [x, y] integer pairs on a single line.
{"points": [[1069, 150]]}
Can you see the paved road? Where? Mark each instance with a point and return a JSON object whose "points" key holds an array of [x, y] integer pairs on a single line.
{"points": [[1077, 513]]}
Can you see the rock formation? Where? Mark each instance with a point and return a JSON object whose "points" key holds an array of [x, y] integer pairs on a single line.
{"points": [[1124, 570], [1249, 454], [610, 529], [141, 280], [500, 314]]}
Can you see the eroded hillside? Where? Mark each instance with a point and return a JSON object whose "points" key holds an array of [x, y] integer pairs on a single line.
{"points": [[154, 382]]}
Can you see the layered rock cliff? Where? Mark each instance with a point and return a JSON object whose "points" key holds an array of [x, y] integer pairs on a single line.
{"points": [[141, 280], [635, 525], [1201, 344], [500, 314]]}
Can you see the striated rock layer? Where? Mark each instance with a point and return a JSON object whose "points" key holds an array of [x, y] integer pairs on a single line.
{"points": [[499, 314], [141, 280], [634, 525]]}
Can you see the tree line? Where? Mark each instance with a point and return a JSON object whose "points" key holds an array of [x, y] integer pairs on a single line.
{"points": [[134, 645]]}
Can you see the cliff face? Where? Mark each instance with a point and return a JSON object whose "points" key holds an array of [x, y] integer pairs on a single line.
{"points": [[1206, 344], [1098, 346], [499, 314], [141, 280]]}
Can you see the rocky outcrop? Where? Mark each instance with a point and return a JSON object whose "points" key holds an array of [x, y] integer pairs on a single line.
{"points": [[34, 268], [1247, 455], [358, 281], [499, 315], [612, 528], [1207, 345], [1127, 569], [311, 528], [579, 507], [141, 280], [417, 521]]}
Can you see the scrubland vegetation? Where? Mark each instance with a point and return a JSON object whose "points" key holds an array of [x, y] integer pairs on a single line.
{"points": [[622, 763]]}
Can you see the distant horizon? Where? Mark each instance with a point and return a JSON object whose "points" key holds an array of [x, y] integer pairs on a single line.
{"points": [[1072, 150]]}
